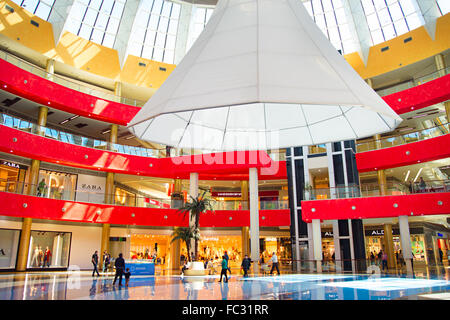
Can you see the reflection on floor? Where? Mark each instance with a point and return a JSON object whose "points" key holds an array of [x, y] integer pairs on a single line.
{"points": [[80, 285]]}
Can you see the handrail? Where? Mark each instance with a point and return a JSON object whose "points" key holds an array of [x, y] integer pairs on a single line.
{"points": [[27, 66], [61, 192], [406, 138], [376, 190], [413, 83]]}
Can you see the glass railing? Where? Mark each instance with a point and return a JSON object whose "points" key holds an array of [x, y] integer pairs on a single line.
{"points": [[403, 138], [33, 128], [413, 83], [67, 83], [128, 200], [375, 190]]}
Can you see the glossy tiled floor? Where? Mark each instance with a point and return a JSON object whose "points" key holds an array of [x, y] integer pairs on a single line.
{"points": [[80, 285]]}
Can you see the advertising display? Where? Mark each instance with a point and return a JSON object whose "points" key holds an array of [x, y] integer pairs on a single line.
{"points": [[9, 243], [90, 189]]}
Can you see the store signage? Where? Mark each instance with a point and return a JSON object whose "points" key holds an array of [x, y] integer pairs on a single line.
{"points": [[230, 194], [440, 234], [12, 165], [91, 187], [227, 194], [327, 234], [271, 239]]}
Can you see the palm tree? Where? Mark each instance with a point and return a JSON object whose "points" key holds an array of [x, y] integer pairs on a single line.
{"points": [[196, 207], [185, 234]]}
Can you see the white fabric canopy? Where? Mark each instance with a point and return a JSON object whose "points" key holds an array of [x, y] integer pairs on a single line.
{"points": [[262, 76]]}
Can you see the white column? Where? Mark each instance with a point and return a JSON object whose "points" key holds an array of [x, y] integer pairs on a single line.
{"points": [[193, 192], [254, 217], [294, 193], [317, 243], [405, 239], [337, 246]]}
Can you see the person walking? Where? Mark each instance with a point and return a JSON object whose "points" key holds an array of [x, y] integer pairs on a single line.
{"points": [[441, 254], [224, 269], [274, 260], [245, 265], [95, 263], [226, 257], [127, 277], [384, 260], [106, 261], [120, 268]]}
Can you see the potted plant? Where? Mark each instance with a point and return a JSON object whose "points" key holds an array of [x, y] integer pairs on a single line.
{"points": [[195, 208], [185, 235], [307, 189]]}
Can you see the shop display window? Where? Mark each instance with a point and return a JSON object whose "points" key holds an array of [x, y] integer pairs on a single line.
{"points": [[12, 176], [150, 247], [49, 249], [9, 243], [56, 185]]}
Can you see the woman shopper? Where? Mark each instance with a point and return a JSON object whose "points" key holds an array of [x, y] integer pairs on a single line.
{"points": [[224, 269]]}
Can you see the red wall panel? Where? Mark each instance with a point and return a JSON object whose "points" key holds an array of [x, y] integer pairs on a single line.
{"points": [[377, 207], [403, 155], [15, 205]]}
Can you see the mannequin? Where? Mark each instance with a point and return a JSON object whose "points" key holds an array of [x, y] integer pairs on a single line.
{"points": [[40, 257], [47, 256], [35, 258]]}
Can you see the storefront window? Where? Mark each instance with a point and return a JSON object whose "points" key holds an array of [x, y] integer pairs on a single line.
{"points": [[49, 249], [280, 245], [214, 247], [56, 185], [145, 246], [12, 176], [9, 243]]}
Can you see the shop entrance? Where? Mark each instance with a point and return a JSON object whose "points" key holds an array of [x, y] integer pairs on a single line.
{"points": [[12, 177], [150, 246]]}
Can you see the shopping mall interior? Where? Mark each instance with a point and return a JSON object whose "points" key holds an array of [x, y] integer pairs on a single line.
{"points": [[355, 203]]}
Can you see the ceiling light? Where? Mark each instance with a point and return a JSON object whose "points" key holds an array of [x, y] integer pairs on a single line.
{"points": [[407, 175], [418, 173], [64, 121], [74, 117], [106, 131], [130, 137]]}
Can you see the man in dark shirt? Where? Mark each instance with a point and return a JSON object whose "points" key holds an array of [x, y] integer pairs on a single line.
{"points": [[246, 265], [95, 263], [120, 269]]}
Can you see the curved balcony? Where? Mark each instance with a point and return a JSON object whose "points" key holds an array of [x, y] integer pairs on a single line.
{"points": [[413, 83], [71, 97], [22, 64], [375, 190], [427, 149], [231, 166], [412, 136], [18, 205], [417, 204]]}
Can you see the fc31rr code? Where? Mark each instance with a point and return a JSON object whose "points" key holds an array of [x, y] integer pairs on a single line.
{"points": [[242, 309]]}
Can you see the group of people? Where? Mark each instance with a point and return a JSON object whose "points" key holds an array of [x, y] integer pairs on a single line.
{"points": [[119, 265], [225, 267]]}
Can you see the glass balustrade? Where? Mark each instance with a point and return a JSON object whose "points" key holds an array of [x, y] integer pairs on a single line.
{"points": [[375, 190], [413, 83], [403, 139]]}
